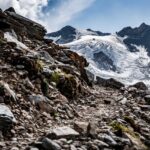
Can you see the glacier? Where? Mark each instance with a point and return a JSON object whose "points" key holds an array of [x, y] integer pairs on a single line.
{"points": [[131, 67]]}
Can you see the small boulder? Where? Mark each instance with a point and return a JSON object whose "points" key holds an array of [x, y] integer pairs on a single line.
{"points": [[112, 83], [92, 130], [63, 132], [7, 118], [42, 103], [50, 145], [81, 127], [140, 86], [147, 99]]}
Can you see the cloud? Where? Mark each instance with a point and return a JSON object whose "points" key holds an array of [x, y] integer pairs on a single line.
{"points": [[54, 17], [66, 12], [28, 8]]}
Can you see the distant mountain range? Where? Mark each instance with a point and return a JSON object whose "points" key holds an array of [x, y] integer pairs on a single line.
{"points": [[69, 34], [123, 55]]}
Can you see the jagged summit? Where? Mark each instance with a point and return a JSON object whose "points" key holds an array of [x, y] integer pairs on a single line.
{"points": [[136, 36], [137, 30]]}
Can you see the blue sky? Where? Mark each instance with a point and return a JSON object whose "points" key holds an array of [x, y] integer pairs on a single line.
{"points": [[102, 15], [111, 15]]}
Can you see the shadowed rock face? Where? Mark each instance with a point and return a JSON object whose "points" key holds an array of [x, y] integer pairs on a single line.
{"points": [[138, 36], [22, 26], [104, 62]]}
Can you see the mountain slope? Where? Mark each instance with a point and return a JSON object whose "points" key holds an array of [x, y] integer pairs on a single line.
{"points": [[69, 34], [123, 56]]}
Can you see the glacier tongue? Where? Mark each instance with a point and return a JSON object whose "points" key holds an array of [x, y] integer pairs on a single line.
{"points": [[130, 67]]}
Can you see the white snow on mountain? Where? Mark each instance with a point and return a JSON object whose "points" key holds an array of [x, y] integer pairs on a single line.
{"points": [[130, 67]]}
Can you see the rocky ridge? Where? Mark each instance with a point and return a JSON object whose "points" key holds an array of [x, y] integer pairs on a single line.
{"points": [[47, 101]]}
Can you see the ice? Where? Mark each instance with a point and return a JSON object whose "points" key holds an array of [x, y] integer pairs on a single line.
{"points": [[131, 67]]}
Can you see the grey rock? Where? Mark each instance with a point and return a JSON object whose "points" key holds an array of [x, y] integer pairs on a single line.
{"points": [[81, 127], [42, 102], [50, 145], [72, 147], [14, 148], [101, 144], [108, 139], [147, 99], [33, 148], [91, 129], [8, 90], [63, 132], [123, 101], [7, 118]]}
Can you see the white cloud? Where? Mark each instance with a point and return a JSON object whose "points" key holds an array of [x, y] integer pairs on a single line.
{"points": [[54, 18], [28, 8], [65, 12]]}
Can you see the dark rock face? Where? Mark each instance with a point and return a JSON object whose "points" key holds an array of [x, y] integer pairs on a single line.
{"points": [[22, 26], [140, 86], [137, 36], [112, 83], [104, 62]]}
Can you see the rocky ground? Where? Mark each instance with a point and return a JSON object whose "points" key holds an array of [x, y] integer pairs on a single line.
{"points": [[47, 101]]}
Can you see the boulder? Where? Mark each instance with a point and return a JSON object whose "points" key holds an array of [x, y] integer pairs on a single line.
{"points": [[50, 145], [140, 86], [7, 92], [112, 83], [7, 118], [69, 85], [42, 103], [63, 132], [92, 130], [81, 127]]}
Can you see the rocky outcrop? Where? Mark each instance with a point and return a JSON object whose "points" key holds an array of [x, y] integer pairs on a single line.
{"points": [[112, 83], [23, 27]]}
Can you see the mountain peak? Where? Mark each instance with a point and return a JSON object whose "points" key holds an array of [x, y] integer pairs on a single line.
{"points": [[68, 27], [68, 34], [144, 26]]}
